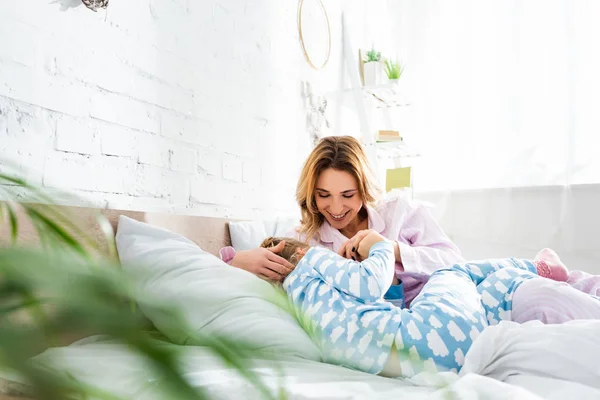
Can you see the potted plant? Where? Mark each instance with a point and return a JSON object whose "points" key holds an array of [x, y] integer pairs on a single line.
{"points": [[393, 70], [372, 67]]}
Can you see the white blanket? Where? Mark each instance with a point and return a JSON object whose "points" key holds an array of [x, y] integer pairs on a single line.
{"points": [[553, 361], [509, 361]]}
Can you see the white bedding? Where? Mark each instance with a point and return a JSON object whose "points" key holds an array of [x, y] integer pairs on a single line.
{"points": [[510, 361]]}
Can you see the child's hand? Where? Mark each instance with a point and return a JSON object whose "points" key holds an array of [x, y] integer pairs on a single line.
{"points": [[369, 240]]}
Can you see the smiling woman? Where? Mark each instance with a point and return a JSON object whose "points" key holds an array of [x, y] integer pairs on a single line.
{"points": [[336, 182]]}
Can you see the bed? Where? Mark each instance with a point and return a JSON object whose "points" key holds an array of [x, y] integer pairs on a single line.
{"points": [[508, 361]]}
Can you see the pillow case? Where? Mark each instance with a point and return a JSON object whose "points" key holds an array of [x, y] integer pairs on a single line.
{"points": [[213, 297], [246, 235]]}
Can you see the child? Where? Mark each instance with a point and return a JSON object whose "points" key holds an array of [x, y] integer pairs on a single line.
{"points": [[344, 301]]}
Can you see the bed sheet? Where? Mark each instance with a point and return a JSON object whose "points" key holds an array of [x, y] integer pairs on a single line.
{"points": [[508, 361]]}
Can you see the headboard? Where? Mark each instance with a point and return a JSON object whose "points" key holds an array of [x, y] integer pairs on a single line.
{"points": [[209, 233]]}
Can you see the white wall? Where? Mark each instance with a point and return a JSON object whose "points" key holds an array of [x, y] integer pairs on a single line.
{"points": [[177, 105], [505, 93], [518, 222]]}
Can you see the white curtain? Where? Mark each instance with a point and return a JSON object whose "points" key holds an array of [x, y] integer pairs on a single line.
{"points": [[504, 93]]}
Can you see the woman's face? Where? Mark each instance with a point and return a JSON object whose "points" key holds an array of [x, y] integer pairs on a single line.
{"points": [[337, 197]]}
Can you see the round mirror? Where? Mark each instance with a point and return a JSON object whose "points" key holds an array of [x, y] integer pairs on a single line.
{"points": [[315, 33]]}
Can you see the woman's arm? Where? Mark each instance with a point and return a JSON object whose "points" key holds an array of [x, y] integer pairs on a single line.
{"points": [[428, 247]]}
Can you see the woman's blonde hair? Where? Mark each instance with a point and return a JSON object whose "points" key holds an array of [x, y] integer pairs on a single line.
{"points": [[290, 248], [342, 153]]}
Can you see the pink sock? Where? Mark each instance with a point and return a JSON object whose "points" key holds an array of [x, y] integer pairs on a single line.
{"points": [[549, 266]]}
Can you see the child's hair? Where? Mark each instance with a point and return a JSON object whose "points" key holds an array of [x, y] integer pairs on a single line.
{"points": [[290, 249]]}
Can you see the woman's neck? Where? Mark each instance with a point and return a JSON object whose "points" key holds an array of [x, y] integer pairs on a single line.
{"points": [[360, 222]]}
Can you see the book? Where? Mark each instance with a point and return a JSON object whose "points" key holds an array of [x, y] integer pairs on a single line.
{"points": [[388, 136], [398, 178]]}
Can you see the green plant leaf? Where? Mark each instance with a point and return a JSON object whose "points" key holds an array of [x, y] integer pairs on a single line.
{"points": [[55, 229], [14, 223], [13, 180], [109, 234], [372, 56]]}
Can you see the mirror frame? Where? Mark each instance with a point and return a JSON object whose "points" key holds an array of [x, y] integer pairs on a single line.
{"points": [[304, 50]]}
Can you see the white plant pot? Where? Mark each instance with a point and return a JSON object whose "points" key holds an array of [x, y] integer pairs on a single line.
{"points": [[372, 73], [392, 81]]}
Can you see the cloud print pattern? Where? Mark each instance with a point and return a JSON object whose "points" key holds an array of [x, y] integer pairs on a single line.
{"points": [[355, 327]]}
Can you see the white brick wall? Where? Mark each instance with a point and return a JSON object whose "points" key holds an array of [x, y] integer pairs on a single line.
{"points": [[175, 105]]}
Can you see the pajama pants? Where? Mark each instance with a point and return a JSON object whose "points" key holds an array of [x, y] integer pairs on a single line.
{"points": [[455, 305], [554, 302]]}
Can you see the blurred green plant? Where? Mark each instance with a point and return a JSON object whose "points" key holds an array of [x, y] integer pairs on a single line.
{"points": [[393, 69], [71, 286], [372, 56]]}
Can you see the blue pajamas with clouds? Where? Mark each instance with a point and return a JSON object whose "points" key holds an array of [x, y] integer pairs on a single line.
{"points": [[341, 302], [453, 308]]}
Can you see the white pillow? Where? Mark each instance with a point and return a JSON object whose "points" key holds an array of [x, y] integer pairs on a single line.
{"points": [[213, 297], [246, 235]]}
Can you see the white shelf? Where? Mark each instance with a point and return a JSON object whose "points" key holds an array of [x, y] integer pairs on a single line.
{"points": [[385, 95], [395, 149]]}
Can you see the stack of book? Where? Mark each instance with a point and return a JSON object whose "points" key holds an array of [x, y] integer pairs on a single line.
{"points": [[388, 136]]}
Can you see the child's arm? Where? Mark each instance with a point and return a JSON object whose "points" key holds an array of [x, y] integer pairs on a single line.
{"points": [[367, 280]]}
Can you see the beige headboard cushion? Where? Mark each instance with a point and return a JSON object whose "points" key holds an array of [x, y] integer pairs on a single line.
{"points": [[209, 233]]}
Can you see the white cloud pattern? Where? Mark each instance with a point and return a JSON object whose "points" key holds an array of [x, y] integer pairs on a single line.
{"points": [[327, 317], [504, 315], [367, 318], [436, 344], [352, 328], [310, 294], [491, 319], [382, 323], [459, 357], [413, 330], [500, 287], [373, 286], [313, 308], [336, 333], [502, 274], [488, 299], [456, 332], [475, 270], [435, 322], [323, 289], [334, 297], [323, 266], [398, 341], [364, 342]]}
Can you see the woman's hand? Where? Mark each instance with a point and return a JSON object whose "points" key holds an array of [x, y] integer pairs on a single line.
{"points": [[367, 242], [350, 248], [264, 263]]}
